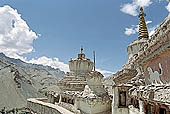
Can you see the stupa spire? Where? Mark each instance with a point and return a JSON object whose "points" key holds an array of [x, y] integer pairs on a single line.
{"points": [[81, 49], [143, 31]]}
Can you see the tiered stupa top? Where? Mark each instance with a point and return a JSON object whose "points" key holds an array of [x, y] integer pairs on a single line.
{"points": [[81, 64], [75, 80]]}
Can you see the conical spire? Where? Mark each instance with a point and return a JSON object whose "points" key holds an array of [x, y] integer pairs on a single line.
{"points": [[143, 31]]}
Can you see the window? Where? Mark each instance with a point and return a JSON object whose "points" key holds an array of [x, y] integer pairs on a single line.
{"points": [[122, 98], [148, 109], [162, 111]]}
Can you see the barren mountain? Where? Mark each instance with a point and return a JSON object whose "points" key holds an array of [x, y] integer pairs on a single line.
{"points": [[108, 82], [20, 80]]}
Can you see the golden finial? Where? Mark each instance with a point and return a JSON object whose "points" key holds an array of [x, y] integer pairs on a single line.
{"points": [[141, 9], [143, 31]]}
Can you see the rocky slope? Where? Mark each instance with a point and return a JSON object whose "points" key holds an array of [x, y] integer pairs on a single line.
{"points": [[44, 75], [108, 83], [20, 80]]}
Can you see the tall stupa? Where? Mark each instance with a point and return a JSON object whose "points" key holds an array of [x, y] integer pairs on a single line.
{"points": [[75, 79]]}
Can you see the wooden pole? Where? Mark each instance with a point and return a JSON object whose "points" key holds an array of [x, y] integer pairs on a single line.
{"points": [[94, 60]]}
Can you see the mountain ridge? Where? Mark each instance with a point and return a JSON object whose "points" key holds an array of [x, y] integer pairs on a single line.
{"points": [[20, 81]]}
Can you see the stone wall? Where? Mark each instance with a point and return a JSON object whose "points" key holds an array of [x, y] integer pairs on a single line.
{"points": [[96, 108], [40, 107], [133, 110], [120, 111]]}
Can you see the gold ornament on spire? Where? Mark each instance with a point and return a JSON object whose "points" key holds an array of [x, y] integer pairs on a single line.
{"points": [[143, 31]]}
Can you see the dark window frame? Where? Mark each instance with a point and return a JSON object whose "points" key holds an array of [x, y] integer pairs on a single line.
{"points": [[121, 104], [162, 109]]}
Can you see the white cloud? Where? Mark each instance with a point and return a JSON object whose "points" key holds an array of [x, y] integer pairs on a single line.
{"points": [[168, 7], [53, 62], [56, 63], [152, 29], [143, 3], [148, 22], [130, 31], [106, 73], [134, 29], [131, 8], [16, 38]]}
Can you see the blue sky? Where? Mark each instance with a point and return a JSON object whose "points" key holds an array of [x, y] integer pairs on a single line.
{"points": [[62, 26]]}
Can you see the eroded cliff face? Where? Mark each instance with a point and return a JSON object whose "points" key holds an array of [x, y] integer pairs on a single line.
{"points": [[20, 81], [15, 88]]}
